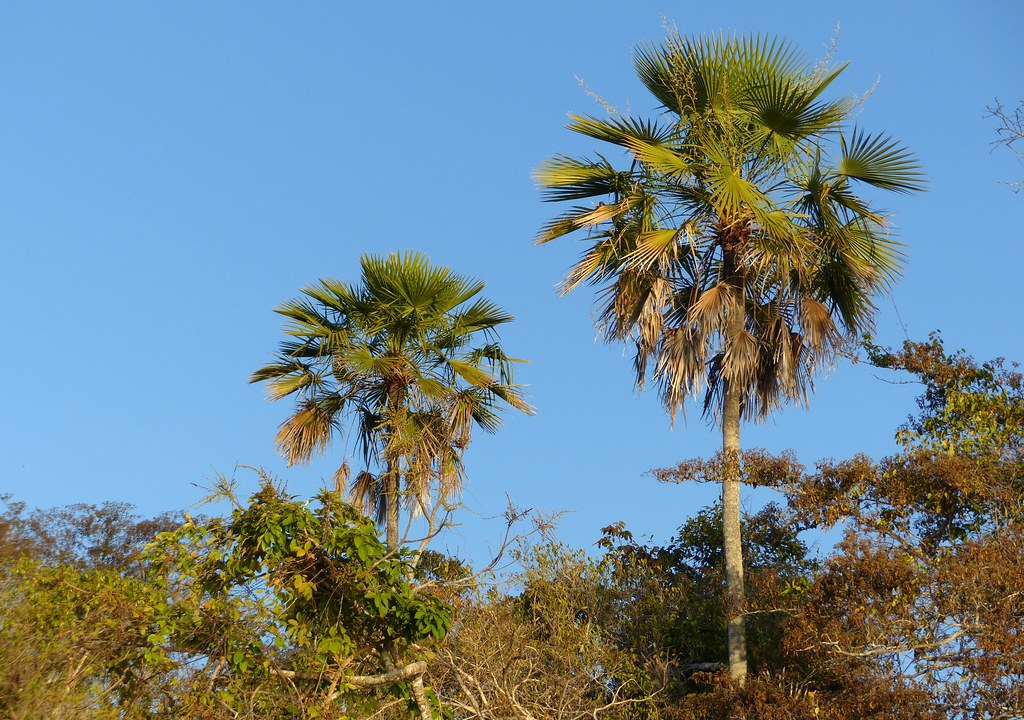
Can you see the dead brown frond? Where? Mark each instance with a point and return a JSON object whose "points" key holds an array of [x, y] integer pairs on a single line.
{"points": [[365, 493], [681, 366], [306, 432], [741, 358], [650, 316], [341, 478], [816, 323], [708, 314]]}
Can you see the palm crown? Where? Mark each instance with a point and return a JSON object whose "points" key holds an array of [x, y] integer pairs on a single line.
{"points": [[409, 362], [740, 201]]}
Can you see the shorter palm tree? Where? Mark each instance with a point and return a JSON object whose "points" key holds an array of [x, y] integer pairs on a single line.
{"points": [[406, 362]]}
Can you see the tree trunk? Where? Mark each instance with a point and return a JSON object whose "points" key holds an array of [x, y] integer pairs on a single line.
{"points": [[392, 479], [734, 588], [735, 600], [391, 492]]}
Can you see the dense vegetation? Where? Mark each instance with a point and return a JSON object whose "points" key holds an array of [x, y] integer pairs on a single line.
{"points": [[296, 609], [736, 257]]}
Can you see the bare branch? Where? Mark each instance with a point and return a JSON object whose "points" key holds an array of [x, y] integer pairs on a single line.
{"points": [[1009, 132]]}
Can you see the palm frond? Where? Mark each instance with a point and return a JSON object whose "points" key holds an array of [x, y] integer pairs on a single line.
{"points": [[730, 192], [286, 378], [341, 478], [309, 430], [707, 315], [664, 159], [654, 249], [366, 493], [764, 55], [512, 395], [471, 373], [482, 315], [585, 217], [597, 263], [785, 113], [870, 253], [681, 368], [656, 69], [880, 161], [563, 178], [816, 325], [619, 131]]}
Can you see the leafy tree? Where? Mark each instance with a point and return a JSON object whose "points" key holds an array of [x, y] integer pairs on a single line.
{"points": [[70, 644], [290, 609], [74, 607], [408, 361], [109, 536], [925, 594], [15, 538], [285, 609], [733, 250], [535, 645], [668, 607]]}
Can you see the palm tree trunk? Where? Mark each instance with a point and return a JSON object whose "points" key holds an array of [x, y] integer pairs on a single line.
{"points": [[734, 588], [735, 599], [392, 481], [391, 492]]}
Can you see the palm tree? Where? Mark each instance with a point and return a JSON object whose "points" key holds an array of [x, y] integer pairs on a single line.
{"points": [[733, 250], [408, 361]]}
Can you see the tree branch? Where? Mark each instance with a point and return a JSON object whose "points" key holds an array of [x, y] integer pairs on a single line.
{"points": [[407, 672]]}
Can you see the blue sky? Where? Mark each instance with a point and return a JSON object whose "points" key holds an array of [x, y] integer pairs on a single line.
{"points": [[173, 171]]}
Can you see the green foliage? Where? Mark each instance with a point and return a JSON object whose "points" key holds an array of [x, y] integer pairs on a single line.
{"points": [[669, 599], [285, 609], [74, 609], [69, 643], [959, 470], [967, 408], [301, 596]]}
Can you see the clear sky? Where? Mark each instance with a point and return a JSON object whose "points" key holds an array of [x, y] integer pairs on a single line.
{"points": [[173, 171]]}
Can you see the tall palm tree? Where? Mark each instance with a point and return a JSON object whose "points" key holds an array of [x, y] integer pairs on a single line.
{"points": [[732, 249], [407, 361]]}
